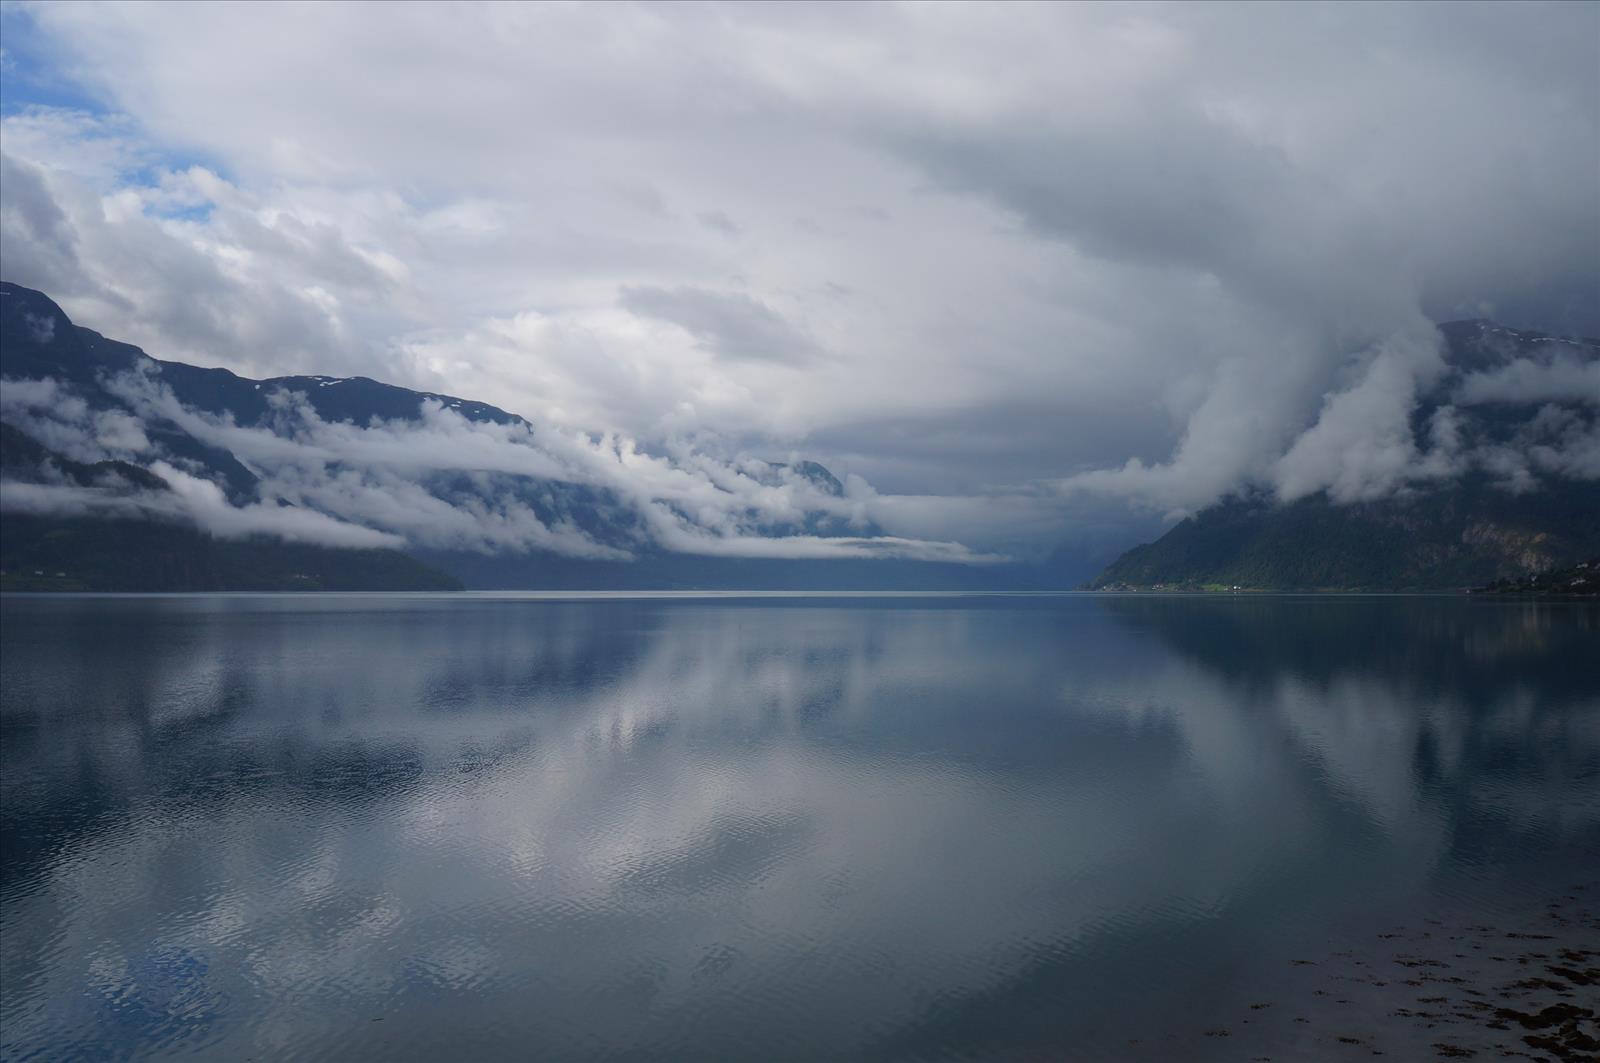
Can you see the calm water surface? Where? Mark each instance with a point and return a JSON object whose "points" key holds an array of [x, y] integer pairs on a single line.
{"points": [[458, 827]]}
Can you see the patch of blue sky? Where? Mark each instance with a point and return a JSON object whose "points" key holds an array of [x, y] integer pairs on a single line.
{"points": [[153, 171], [31, 71], [36, 79]]}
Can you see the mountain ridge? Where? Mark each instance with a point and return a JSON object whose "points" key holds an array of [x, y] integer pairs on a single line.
{"points": [[1468, 530], [41, 344]]}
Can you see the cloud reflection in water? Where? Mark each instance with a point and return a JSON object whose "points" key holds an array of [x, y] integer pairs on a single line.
{"points": [[723, 827]]}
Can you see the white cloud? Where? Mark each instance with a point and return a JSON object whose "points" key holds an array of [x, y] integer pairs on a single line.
{"points": [[1525, 380], [1361, 446], [402, 478], [203, 501], [1146, 253], [191, 500]]}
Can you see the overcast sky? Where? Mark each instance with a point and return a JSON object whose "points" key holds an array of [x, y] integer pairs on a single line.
{"points": [[1029, 271]]}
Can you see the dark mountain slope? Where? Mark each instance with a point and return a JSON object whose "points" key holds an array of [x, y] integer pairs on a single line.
{"points": [[1441, 540], [26, 459], [1449, 535], [39, 342], [40, 553], [56, 554]]}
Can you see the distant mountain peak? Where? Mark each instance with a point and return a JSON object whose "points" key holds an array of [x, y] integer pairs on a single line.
{"points": [[817, 473]]}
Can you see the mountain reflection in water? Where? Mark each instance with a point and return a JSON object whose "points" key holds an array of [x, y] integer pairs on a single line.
{"points": [[487, 827]]}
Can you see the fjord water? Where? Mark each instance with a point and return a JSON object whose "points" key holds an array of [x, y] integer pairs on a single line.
{"points": [[476, 827]]}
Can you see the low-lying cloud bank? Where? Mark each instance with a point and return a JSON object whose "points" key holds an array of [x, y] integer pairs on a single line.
{"points": [[1363, 443], [443, 481], [191, 500]]}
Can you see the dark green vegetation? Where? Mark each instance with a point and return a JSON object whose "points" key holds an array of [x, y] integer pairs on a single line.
{"points": [[1580, 581], [1448, 539], [53, 554]]}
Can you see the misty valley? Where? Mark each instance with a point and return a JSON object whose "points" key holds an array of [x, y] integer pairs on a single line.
{"points": [[121, 472]]}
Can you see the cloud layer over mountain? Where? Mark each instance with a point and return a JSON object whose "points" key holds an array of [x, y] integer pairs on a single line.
{"points": [[439, 478], [1032, 272]]}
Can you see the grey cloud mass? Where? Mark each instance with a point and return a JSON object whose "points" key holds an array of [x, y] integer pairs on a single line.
{"points": [[1525, 380], [727, 324], [1062, 267]]}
